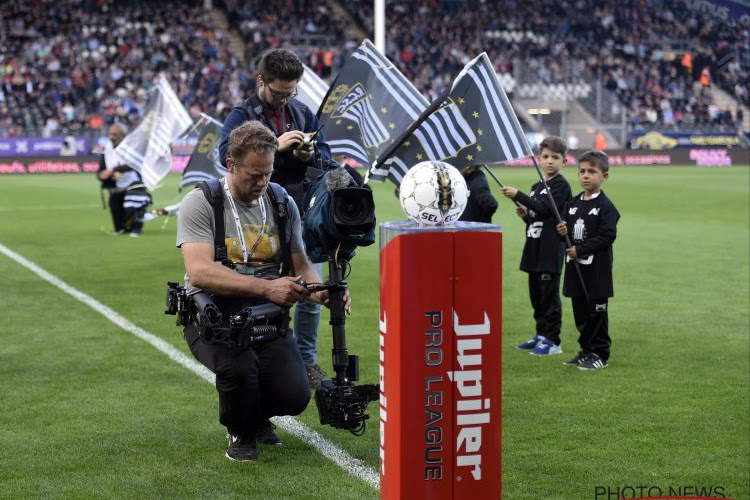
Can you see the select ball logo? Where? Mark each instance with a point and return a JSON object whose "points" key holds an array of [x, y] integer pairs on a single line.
{"points": [[433, 193]]}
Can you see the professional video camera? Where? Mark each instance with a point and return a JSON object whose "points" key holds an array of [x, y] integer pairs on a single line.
{"points": [[339, 216]]}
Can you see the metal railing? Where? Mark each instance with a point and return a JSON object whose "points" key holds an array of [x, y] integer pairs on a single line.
{"points": [[558, 87]]}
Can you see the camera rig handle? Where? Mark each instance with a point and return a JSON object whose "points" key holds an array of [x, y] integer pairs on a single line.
{"points": [[319, 287], [338, 322]]}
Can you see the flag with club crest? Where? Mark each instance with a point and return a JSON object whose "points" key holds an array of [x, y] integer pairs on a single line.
{"points": [[473, 123], [147, 149], [204, 162], [368, 106], [311, 89]]}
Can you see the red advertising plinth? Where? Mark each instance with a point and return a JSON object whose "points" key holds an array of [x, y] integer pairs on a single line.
{"points": [[440, 361]]}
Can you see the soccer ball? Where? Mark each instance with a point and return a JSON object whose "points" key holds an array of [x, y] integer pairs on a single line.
{"points": [[433, 193]]}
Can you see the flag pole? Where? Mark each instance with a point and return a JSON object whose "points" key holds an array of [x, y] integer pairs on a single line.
{"points": [[195, 125], [331, 87], [211, 118], [411, 128], [328, 92], [559, 219], [487, 169]]}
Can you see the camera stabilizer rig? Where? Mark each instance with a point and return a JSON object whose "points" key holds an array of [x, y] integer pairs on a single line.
{"points": [[340, 403], [251, 325]]}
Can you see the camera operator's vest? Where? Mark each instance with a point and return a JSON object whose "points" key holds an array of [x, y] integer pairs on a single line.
{"points": [[214, 193]]}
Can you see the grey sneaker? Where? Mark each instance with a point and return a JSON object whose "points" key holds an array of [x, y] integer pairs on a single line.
{"points": [[315, 375], [242, 449], [266, 434]]}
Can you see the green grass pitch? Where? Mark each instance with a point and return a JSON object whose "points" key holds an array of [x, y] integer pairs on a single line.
{"points": [[88, 410]]}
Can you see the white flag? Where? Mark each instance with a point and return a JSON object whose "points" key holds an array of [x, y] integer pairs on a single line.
{"points": [[311, 89], [147, 149]]}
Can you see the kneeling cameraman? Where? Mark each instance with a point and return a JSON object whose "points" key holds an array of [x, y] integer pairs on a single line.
{"points": [[239, 268]]}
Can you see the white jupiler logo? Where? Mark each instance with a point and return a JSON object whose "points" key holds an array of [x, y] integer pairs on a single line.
{"points": [[471, 407]]}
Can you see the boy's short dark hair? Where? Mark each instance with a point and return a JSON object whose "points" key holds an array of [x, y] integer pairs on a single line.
{"points": [[596, 158], [554, 144], [280, 64]]}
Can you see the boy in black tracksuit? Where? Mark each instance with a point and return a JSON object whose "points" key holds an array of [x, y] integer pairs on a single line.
{"points": [[481, 205], [590, 220], [543, 252]]}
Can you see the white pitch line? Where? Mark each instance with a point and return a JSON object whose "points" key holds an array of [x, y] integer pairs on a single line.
{"points": [[351, 465], [45, 208]]}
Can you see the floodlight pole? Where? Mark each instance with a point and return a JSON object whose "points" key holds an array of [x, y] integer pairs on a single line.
{"points": [[379, 9]]}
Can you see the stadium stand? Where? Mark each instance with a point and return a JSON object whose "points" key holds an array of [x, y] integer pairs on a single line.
{"points": [[309, 28], [74, 65], [559, 49]]}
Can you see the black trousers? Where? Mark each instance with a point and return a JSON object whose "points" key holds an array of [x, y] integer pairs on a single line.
{"points": [[592, 322], [544, 291], [255, 383], [117, 210]]}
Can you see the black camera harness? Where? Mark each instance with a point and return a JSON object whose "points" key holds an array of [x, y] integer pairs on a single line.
{"points": [[259, 323], [214, 194]]}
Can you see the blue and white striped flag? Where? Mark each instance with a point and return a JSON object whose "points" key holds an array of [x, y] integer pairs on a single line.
{"points": [[204, 162], [311, 89], [147, 149], [474, 124], [368, 106]]}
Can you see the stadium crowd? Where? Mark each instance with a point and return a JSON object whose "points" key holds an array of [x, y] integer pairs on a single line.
{"points": [[71, 65], [308, 28], [652, 53]]}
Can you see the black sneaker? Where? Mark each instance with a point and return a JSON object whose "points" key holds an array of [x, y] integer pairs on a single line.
{"points": [[242, 449], [592, 362], [315, 376], [267, 436], [576, 360]]}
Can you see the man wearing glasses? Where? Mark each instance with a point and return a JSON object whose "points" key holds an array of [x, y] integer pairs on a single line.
{"points": [[273, 104]]}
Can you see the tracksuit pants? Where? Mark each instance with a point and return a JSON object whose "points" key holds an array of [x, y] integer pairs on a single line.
{"points": [[544, 291], [592, 322]]}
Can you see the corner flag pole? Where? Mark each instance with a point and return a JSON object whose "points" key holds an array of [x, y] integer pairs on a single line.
{"points": [[559, 219]]}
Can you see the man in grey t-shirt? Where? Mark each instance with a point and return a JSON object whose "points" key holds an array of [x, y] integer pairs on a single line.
{"points": [[264, 380]]}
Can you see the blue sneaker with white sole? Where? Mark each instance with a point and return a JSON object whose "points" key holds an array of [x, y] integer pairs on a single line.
{"points": [[530, 344], [546, 348]]}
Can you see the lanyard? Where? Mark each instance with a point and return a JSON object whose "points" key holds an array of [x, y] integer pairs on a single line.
{"points": [[238, 224]]}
